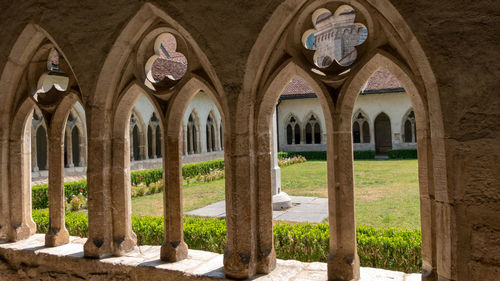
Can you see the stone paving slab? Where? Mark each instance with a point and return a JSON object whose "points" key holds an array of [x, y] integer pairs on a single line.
{"points": [[199, 265], [304, 209]]}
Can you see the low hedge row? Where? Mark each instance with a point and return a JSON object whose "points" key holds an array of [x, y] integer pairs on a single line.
{"points": [[402, 154], [321, 155], [40, 193], [392, 249]]}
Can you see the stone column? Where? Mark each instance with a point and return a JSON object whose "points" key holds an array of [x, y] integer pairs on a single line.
{"points": [[124, 239], [34, 159], [4, 184], [209, 138], [191, 135], [69, 147], [184, 140], [83, 152], [22, 225], [173, 248], [343, 262], [131, 138], [57, 234], [274, 150], [153, 141], [281, 200], [100, 237]]}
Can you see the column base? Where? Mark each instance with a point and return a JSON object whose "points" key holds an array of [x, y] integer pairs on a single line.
{"points": [[343, 267], [124, 245], [21, 232], [56, 237], [238, 266], [281, 201], [96, 249], [267, 262], [173, 251]]}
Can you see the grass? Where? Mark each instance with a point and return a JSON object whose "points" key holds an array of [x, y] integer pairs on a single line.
{"points": [[386, 191], [194, 195]]}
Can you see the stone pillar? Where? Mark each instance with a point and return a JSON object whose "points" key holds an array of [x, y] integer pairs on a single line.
{"points": [[191, 135], [69, 147], [34, 159], [184, 139], [274, 150], [343, 261], [153, 141], [209, 138], [124, 239], [83, 151], [22, 225], [173, 248], [281, 200], [131, 138], [100, 237], [57, 234], [4, 184]]}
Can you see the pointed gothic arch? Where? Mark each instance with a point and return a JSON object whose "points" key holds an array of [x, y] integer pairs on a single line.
{"points": [[361, 122], [293, 129], [409, 127]]}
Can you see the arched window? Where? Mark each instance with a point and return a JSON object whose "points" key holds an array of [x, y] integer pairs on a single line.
{"points": [[150, 142], [135, 139], [410, 129], [293, 131], [360, 129], [75, 146], [313, 131], [41, 148], [192, 136], [366, 132], [356, 134], [210, 134], [158, 141]]}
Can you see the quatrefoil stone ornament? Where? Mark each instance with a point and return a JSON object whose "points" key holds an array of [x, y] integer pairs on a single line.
{"points": [[166, 66], [334, 36]]}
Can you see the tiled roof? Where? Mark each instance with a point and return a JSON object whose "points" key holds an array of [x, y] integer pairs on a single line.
{"points": [[297, 86], [381, 81]]}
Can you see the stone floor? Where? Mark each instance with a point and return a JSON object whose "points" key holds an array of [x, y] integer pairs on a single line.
{"points": [[201, 265], [304, 209]]}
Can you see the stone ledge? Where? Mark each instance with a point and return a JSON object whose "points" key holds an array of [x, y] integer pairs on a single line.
{"points": [[30, 260]]}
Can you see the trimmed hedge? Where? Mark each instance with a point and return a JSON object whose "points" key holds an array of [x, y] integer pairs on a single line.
{"points": [[364, 154], [40, 193], [390, 248], [321, 155], [402, 154]]}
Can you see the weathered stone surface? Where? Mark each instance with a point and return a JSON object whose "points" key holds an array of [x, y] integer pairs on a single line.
{"points": [[31, 260]]}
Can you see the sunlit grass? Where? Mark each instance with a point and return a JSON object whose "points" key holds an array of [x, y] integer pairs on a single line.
{"points": [[386, 191]]}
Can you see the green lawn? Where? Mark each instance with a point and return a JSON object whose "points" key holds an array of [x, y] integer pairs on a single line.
{"points": [[195, 195], [386, 191]]}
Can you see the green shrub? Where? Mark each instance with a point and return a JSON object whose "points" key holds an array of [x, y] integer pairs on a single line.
{"points": [[364, 154], [309, 155], [40, 193], [394, 249], [321, 155], [402, 154], [193, 169]]}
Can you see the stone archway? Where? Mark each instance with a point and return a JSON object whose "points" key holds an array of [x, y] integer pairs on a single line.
{"points": [[383, 134]]}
